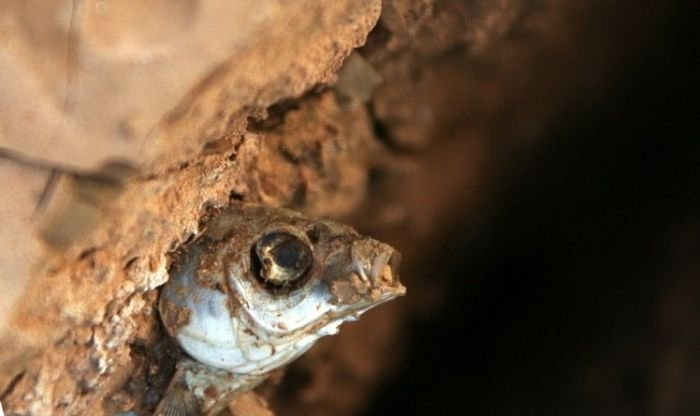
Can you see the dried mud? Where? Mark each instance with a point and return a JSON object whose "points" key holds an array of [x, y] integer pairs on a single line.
{"points": [[470, 135]]}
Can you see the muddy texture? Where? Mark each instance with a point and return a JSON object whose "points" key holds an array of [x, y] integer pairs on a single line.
{"points": [[83, 290], [534, 162]]}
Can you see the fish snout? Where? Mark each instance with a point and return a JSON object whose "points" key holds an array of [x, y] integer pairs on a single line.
{"points": [[378, 264]]}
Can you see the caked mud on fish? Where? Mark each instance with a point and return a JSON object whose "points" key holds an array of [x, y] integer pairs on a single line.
{"points": [[255, 290]]}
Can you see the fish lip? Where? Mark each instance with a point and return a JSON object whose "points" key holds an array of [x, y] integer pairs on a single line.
{"points": [[383, 270], [392, 292], [387, 293], [353, 313], [377, 265], [396, 291], [385, 276]]}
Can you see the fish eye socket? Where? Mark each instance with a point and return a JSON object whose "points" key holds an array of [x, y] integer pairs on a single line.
{"points": [[282, 258]]}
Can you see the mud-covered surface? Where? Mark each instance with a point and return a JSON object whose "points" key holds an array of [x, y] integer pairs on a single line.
{"points": [[534, 161]]}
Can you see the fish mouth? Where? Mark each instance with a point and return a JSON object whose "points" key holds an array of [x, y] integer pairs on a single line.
{"points": [[373, 276], [368, 285], [376, 262]]}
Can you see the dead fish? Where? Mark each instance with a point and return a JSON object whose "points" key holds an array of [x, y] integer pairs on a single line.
{"points": [[255, 290]]}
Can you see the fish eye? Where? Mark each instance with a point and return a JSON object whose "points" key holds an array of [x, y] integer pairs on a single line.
{"points": [[282, 258]]}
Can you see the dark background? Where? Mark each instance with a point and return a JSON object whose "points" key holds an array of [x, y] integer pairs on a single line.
{"points": [[578, 289]]}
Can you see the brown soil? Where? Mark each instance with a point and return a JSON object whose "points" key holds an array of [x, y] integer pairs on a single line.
{"points": [[509, 149]]}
